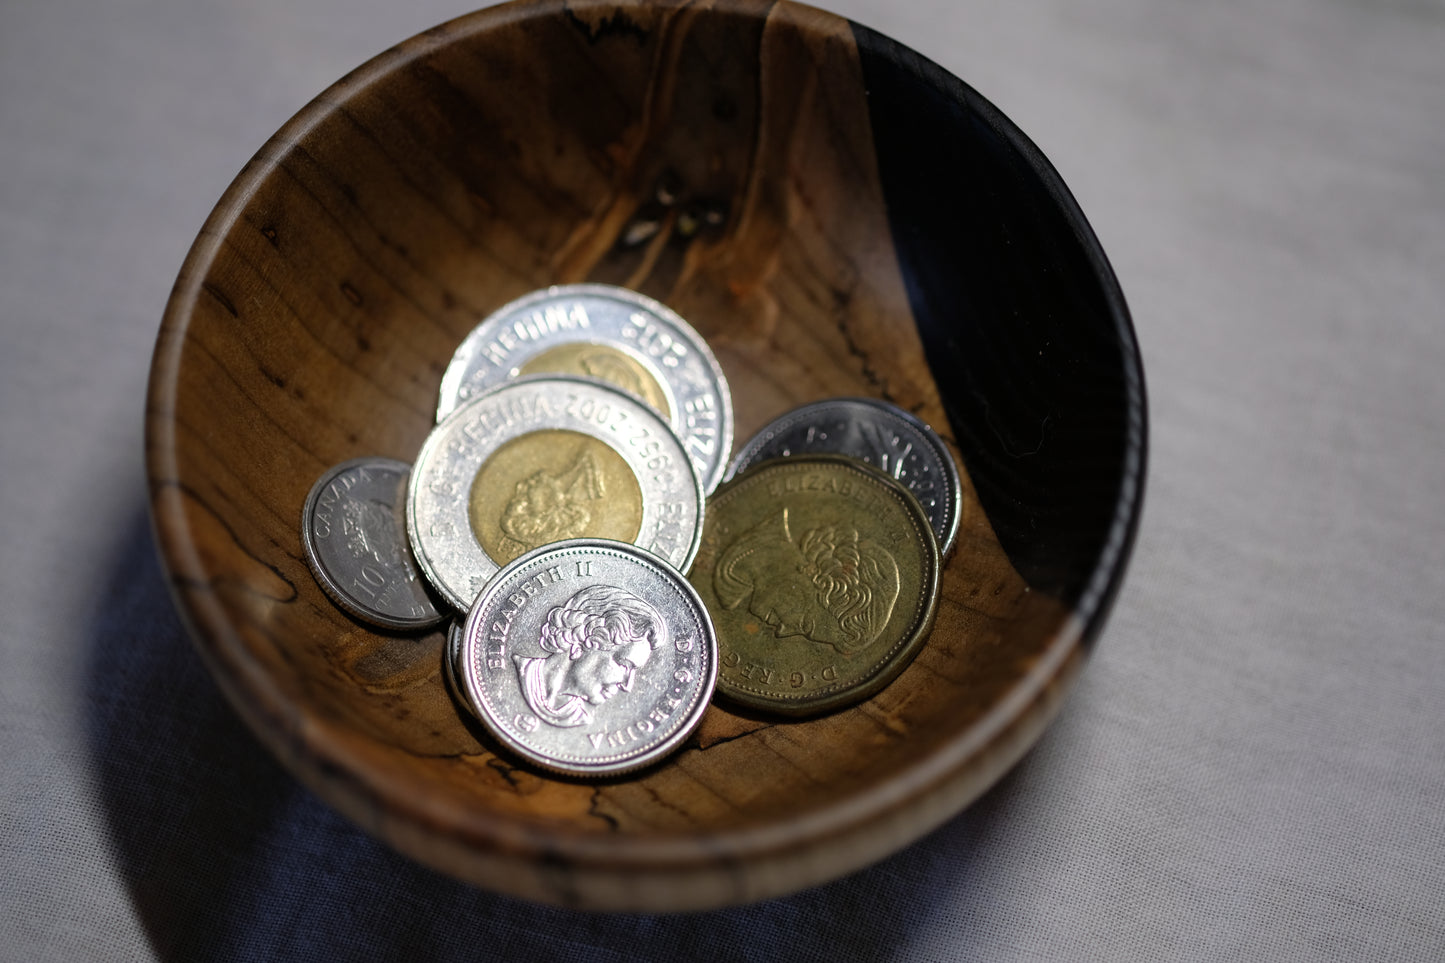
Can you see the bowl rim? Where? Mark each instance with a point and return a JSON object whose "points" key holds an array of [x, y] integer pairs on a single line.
{"points": [[940, 782]]}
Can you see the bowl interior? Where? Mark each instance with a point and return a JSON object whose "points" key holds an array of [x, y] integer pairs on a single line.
{"points": [[837, 217]]}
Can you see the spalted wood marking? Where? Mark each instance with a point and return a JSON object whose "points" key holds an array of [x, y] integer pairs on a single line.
{"points": [[714, 155]]}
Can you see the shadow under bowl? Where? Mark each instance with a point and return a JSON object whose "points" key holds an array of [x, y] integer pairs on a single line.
{"points": [[836, 216]]}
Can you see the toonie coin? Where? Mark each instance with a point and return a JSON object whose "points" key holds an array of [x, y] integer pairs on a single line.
{"points": [[821, 575], [589, 657], [540, 460], [612, 334], [883, 435], [351, 530]]}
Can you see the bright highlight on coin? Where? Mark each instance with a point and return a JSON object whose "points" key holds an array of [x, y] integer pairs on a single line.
{"points": [[351, 531], [883, 435], [611, 334], [542, 459], [821, 576], [588, 657]]}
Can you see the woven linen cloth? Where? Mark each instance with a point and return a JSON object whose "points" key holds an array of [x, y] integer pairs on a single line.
{"points": [[1252, 764]]}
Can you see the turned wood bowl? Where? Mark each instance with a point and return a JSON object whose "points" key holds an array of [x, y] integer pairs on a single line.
{"points": [[837, 216]]}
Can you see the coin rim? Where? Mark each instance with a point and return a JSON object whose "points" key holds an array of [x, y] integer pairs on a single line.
{"points": [[328, 584], [948, 538], [451, 655], [902, 653], [656, 753], [438, 436], [676, 419]]}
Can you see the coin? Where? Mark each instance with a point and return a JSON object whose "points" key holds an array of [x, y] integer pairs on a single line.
{"points": [[451, 662], [821, 576], [589, 657], [351, 531], [539, 460], [609, 333], [883, 435]]}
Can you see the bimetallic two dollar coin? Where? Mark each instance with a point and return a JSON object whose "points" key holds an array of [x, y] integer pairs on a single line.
{"points": [[539, 460], [351, 530], [821, 575], [617, 336], [589, 657], [883, 435]]}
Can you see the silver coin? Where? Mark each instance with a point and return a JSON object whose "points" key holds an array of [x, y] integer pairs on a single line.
{"points": [[879, 434], [351, 531], [589, 657], [451, 666], [542, 459], [614, 334]]}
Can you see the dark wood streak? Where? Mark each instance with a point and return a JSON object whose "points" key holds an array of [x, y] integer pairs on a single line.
{"points": [[715, 155]]}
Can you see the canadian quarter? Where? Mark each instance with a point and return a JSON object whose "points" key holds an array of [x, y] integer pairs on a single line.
{"points": [[589, 657], [351, 531], [539, 460], [883, 435], [613, 334]]}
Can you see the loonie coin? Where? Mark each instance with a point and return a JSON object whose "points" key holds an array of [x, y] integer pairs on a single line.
{"points": [[351, 531], [539, 460], [883, 435], [617, 336], [589, 657], [821, 576]]}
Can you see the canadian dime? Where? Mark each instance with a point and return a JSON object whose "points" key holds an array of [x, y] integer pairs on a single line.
{"points": [[613, 334], [883, 435], [351, 531], [821, 575], [589, 657], [542, 459]]}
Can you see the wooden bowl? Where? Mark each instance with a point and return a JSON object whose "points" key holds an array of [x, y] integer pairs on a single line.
{"points": [[837, 216]]}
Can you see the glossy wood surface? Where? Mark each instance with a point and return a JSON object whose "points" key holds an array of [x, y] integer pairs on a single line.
{"points": [[716, 156]]}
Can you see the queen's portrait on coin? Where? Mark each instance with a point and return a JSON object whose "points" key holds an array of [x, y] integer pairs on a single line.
{"points": [[595, 643], [829, 585]]}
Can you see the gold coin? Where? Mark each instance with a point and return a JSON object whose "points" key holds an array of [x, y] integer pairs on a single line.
{"points": [[548, 485], [821, 575], [604, 363]]}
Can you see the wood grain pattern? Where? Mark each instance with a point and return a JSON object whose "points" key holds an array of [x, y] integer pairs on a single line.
{"points": [[717, 156]]}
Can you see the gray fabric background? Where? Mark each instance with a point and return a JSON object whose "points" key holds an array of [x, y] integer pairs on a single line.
{"points": [[1251, 767]]}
